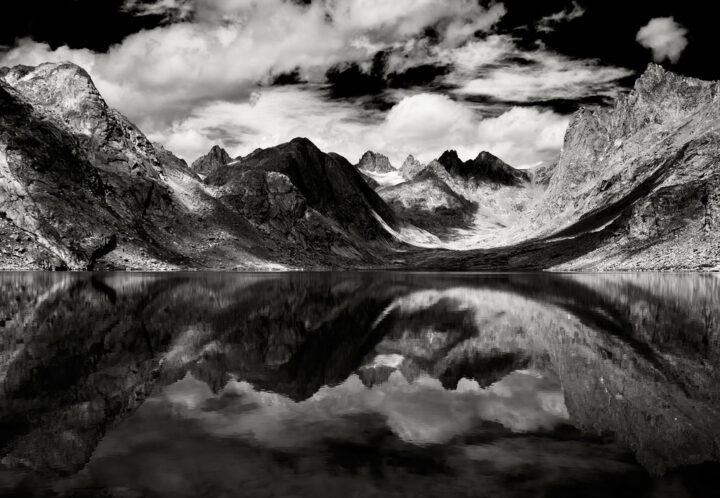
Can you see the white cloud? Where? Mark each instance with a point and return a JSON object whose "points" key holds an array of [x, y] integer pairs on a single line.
{"points": [[428, 124], [170, 9], [548, 23], [421, 124], [545, 76], [665, 37], [191, 84], [158, 75]]}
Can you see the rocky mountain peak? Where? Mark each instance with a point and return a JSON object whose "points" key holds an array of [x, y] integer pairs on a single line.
{"points": [[63, 90], [374, 162], [450, 160], [649, 158], [211, 161], [329, 183], [411, 167], [671, 95], [485, 168], [65, 94]]}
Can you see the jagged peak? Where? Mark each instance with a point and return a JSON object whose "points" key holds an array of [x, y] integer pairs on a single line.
{"points": [[451, 153], [372, 154], [449, 158], [657, 83], [216, 157], [376, 162], [655, 73], [219, 152]]}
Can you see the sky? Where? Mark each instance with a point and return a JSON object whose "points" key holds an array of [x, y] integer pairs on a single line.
{"points": [[397, 77]]}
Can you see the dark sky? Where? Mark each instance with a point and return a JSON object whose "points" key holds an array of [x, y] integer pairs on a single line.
{"points": [[608, 28]]}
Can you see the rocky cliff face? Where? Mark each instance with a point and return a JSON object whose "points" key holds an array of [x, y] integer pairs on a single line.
{"points": [[649, 165], [541, 175], [75, 175]]}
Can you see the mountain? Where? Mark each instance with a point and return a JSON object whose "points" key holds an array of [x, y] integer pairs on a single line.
{"points": [[464, 204], [429, 203], [372, 162], [76, 177], [411, 167], [81, 188], [292, 175], [211, 161], [484, 168], [636, 186], [648, 167]]}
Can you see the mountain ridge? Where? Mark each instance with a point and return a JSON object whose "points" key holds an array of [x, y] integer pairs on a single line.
{"points": [[635, 187]]}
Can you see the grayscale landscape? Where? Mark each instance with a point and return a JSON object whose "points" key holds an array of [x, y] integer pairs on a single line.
{"points": [[367, 248]]}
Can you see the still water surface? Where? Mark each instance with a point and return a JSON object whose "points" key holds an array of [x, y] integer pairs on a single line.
{"points": [[359, 384]]}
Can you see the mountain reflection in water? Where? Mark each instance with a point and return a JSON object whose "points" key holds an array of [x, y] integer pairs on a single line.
{"points": [[359, 384]]}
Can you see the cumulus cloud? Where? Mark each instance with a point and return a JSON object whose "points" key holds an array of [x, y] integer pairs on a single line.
{"points": [[665, 37], [202, 78], [423, 124], [231, 45]]}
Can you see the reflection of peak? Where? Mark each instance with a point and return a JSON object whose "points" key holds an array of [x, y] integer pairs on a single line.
{"points": [[297, 334]]}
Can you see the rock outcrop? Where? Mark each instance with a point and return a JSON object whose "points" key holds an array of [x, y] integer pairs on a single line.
{"points": [[541, 175]]}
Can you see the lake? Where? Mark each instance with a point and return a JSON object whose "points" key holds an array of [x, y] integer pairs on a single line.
{"points": [[359, 384]]}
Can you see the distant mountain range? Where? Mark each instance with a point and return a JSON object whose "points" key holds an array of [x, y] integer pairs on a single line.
{"points": [[637, 186]]}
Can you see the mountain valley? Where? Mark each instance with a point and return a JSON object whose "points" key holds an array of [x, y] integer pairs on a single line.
{"points": [[636, 187]]}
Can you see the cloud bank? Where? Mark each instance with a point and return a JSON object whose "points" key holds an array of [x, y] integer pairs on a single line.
{"points": [[665, 37], [206, 77]]}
